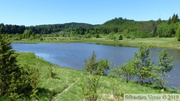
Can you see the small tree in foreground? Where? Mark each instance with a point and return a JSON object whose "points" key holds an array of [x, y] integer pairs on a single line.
{"points": [[91, 63], [102, 66], [127, 70], [165, 65], [96, 67], [143, 64], [89, 87]]}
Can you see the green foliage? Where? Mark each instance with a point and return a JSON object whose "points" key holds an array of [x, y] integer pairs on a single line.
{"points": [[120, 37], [8, 68], [91, 64], [117, 92], [138, 29], [89, 88], [0, 29], [111, 36], [88, 35], [27, 33], [143, 64], [178, 33], [96, 67], [165, 65], [144, 70], [15, 81], [174, 19], [28, 81], [102, 66], [68, 87], [126, 70], [117, 21], [51, 72], [97, 36], [166, 30]]}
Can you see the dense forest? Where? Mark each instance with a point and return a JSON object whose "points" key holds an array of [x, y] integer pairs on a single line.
{"points": [[122, 26]]}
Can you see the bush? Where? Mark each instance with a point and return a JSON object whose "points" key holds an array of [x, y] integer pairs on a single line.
{"points": [[96, 67], [89, 88], [97, 36], [120, 37]]}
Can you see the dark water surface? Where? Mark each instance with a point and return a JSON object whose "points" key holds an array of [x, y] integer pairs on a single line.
{"points": [[72, 55]]}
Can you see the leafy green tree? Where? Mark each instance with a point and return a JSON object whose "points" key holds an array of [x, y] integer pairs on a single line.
{"points": [[102, 66], [91, 63], [166, 30], [165, 65], [126, 70], [27, 33], [143, 64], [96, 67]]}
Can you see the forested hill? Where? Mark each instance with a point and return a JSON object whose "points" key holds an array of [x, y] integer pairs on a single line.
{"points": [[41, 29], [122, 26], [117, 21], [131, 28]]}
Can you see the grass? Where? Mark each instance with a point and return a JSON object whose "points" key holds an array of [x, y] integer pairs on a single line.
{"points": [[150, 42], [66, 85]]}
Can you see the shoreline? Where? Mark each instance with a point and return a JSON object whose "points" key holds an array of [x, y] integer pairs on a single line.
{"points": [[167, 43]]}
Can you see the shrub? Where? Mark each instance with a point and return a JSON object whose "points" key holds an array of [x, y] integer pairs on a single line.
{"points": [[120, 37]]}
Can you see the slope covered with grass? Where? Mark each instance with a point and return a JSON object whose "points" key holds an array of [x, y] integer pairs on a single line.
{"points": [[66, 85]]}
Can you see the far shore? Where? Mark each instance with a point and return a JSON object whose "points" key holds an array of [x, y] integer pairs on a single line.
{"points": [[168, 43]]}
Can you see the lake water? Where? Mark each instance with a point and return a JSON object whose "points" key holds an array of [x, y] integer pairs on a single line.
{"points": [[72, 55]]}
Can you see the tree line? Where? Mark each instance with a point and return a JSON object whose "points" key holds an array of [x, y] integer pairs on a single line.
{"points": [[122, 26], [41, 29]]}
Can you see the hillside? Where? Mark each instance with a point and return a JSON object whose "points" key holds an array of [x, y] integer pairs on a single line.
{"points": [[41, 29], [67, 84]]}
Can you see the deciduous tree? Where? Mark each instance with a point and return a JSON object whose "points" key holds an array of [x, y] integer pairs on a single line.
{"points": [[165, 65]]}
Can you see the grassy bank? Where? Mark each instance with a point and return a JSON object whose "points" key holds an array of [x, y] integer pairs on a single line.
{"points": [[171, 43], [66, 85]]}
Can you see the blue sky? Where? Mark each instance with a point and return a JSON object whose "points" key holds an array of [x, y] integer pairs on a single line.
{"points": [[37, 12]]}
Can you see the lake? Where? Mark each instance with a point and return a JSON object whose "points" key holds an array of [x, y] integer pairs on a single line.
{"points": [[72, 55]]}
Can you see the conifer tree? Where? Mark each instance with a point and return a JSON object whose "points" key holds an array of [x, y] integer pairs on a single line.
{"points": [[15, 80], [9, 71]]}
